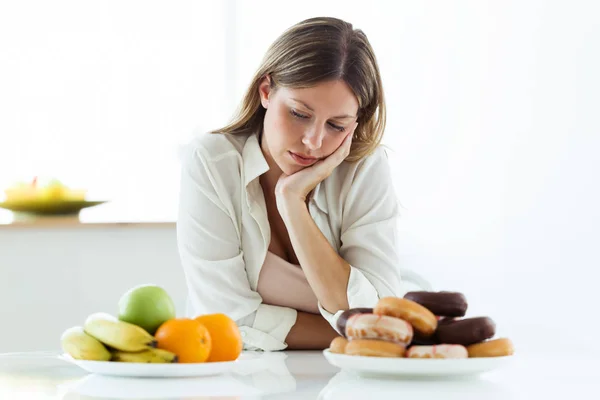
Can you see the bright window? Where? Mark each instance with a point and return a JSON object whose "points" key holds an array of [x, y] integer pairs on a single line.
{"points": [[101, 94]]}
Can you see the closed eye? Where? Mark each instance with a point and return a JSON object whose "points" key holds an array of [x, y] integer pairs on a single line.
{"points": [[303, 116], [336, 127], [297, 114]]}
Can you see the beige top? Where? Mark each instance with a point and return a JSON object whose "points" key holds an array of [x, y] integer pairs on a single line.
{"points": [[284, 284]]}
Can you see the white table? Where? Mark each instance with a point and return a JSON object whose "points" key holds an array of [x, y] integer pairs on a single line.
{"points": [[300, 375]]}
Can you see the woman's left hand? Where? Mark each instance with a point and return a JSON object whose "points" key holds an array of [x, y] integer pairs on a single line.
{"points": [[297, 186]]}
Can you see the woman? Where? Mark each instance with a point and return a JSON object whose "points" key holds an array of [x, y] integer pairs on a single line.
{"points": [[287, 216]]}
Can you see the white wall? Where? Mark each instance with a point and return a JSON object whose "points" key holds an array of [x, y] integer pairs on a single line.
{"points": [[52, 279]]}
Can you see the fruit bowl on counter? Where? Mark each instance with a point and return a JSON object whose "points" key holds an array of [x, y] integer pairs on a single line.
{"points": [[146, 339], [45, 197]]}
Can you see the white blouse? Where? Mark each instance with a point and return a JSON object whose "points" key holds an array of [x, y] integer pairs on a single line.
{"points": [[223, 234]]}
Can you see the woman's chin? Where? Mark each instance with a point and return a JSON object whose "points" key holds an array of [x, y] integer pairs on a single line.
{"points": [[289, 167]]}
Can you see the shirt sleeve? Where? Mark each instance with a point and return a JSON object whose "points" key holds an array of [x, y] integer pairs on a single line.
{"points": [[369, 239], [210, 251]]}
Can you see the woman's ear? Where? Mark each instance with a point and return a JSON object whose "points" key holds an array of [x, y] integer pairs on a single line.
{"points": [[264, 90]]}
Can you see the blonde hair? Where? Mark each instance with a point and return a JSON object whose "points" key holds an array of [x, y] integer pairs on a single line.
{"points": [[313, 51]]}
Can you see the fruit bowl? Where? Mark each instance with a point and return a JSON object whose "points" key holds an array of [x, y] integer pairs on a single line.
{"points": [[48, 207], [45, 197], [147, 339]]}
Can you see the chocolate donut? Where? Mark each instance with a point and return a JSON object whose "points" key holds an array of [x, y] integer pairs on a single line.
{"points": [[422, 340], [343, 319], [446, 304], [466, 331]]}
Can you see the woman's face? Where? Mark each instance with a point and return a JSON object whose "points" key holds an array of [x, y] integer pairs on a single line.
{"points": [[302, 126]]}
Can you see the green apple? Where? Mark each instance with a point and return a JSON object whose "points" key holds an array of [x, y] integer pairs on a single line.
{"points": [[147, 306]]}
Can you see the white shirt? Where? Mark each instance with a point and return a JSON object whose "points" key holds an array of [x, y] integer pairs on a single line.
{"points": [[223, 234]]}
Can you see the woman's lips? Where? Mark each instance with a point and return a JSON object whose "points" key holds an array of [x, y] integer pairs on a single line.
{"points": [[304, 161]]}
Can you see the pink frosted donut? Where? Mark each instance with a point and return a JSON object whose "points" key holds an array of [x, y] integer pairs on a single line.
{"points": [[379, 327], [438, 351]]}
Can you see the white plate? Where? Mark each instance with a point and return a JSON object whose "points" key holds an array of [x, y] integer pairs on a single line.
{"points": [[410, 367], [153, 370]]}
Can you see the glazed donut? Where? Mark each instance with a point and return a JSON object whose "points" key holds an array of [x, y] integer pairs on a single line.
{"points": [[446, 304], [492, 348], [343, 318], [338, 345], [374, 348], [466, 331], [418, 316], [380, 327], [438, 351]]}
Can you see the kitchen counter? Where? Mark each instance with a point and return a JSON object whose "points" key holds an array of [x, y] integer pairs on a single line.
{"points": [[300, 375], [74, 222]]}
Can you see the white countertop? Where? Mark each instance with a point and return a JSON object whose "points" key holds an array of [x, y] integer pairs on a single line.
{"points": [[300, 375]]}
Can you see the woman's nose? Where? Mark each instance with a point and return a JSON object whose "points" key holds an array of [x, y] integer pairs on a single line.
{"points": [[313, 138]]}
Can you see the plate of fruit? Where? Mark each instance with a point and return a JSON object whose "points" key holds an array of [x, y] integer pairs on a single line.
{"points": [[146, 339], [42, 196], [423, 334]]}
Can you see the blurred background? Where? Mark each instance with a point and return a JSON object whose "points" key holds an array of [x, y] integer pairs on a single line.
{"points": [[492, 124]]}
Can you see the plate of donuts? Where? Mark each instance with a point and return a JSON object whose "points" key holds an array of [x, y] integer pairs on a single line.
{"points": [[421, 334]]}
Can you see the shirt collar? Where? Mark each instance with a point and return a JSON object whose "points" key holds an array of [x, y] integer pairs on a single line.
{"points": [[318, 198], [255, 165]]}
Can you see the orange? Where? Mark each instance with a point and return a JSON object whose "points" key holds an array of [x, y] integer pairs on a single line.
{"points": [[226, 337], [187, 338]]}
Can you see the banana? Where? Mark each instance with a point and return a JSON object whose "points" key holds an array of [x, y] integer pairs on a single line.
{"points": [[81, 346], [118, 334], [146, 356]]}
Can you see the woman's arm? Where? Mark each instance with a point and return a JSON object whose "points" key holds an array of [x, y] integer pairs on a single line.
{"points": [[310, 332], [326, 272], [311, 247]]}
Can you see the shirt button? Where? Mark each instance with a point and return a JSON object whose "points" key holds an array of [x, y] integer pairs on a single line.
{"points": [[243, 334]]}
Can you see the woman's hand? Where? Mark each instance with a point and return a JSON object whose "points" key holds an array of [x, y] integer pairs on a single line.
{"points": [[297, 186]]}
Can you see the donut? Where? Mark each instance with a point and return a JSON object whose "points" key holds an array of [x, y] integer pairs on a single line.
{"points": [[422, 320], [445, 304], [420, 340], [374, 348], [343, 318], [466, 331], [338, 345], [492, 348], [380, 327], [438, 351]]}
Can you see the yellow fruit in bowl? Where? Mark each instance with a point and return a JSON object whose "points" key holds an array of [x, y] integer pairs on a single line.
{"points": [[75, 194], [44, 190], [52, 193], [20, 192]]}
